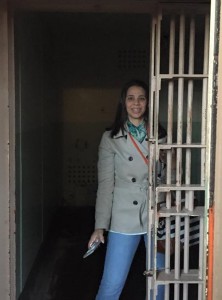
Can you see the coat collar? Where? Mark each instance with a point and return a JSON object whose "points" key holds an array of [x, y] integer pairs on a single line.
{"points": [[124, 134], [120, 134]]}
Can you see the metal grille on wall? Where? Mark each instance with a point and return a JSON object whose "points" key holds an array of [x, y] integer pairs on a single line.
{"points": [[80, 182], [179, 78], [79, 174], [132, 59]]}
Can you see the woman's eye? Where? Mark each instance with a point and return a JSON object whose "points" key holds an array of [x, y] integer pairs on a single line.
{"points": [[142, 98], [130, 98]]}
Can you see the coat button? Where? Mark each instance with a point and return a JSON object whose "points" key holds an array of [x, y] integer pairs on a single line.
{"points": [[147, 157], [130, 158], [135, 202], [133, 179]]}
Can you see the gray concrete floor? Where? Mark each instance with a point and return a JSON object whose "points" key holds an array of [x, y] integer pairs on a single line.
{"points": [[60, 272]]}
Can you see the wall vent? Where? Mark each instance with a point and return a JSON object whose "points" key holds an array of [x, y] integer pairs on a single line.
{"points": [[82, 175], [132, 59]]}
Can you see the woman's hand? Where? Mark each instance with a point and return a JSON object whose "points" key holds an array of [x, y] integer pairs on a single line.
{"points": [[98, 235]]}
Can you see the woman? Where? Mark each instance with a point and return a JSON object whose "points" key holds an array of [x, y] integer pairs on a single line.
{"points": [[121, 206]]}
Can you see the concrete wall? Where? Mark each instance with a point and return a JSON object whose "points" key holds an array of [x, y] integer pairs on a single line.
{"points": [[37, 142], [5, 155]]}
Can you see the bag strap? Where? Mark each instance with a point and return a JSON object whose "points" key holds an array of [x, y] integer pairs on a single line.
{"points": [[138, 149]]}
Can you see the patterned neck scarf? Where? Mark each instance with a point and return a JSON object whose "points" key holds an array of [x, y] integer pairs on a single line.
{"points": [[138, 132]]}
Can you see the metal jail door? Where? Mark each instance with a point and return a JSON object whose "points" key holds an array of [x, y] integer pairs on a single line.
{"points": [[178, 207]]}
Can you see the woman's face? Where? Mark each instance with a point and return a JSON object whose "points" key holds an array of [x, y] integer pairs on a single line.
{"points": [[136, 104]]}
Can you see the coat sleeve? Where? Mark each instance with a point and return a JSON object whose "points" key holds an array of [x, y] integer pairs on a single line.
{"points": [[104, 199]]}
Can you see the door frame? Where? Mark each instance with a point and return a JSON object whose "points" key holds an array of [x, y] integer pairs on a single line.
{"points": [[7, 124]]}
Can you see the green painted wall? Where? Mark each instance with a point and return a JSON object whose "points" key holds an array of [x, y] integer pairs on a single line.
{"points": [[37, 142]]}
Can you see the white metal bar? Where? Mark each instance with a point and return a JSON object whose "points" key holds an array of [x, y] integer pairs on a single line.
{"points": [[149, 280], [189, 194], [170, 146], [184, 76], [192, 278], [177, 246], [167, 250], [155, 124], [171, 84], [176, 291], [190, 101], [154, 94], [203, 238], [152, 78], [201, 258], [150, 211], [201, 249], [167, 292], [186, 243], [185, 291], [204, 98], [182, 187], [200, 291], [197, 211], [169, 140], [179, 151], [189, 200]]}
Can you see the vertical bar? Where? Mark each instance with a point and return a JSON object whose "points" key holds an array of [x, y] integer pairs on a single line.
{"points": [[201, 259], [157, 82], [190, 101], [169, 140], [152, 77], [170, 104], [179, 151], [156, 122], [153, 122], [203, 239], [201, 249], [150, 192], [204, 98], [185, 291], [200, 291], [171, 86], [169, 153], [210, 255], [189, 194]]}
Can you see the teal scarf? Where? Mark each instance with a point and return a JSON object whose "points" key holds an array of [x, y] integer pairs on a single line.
{"points": [[138, 132]]}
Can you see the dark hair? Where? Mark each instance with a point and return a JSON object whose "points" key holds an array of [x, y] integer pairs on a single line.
{"points": [[121, 113]]}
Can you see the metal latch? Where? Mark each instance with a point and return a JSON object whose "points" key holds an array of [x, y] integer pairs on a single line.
{"points": [[148, 273]]}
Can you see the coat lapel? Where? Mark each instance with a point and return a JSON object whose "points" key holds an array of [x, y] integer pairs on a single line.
{"points": [[143, 146]]}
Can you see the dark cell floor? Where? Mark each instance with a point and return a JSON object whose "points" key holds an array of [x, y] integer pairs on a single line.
{"points": [[61, 273]]}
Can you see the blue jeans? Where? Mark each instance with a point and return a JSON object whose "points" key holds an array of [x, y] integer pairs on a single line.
{"points": [[120, 252]]}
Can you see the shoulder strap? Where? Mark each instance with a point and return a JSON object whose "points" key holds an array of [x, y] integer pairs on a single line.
{"points": [[138, 149]]}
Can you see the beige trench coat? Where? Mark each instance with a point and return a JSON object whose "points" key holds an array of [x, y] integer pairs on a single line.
{"points": [[122, 194]]}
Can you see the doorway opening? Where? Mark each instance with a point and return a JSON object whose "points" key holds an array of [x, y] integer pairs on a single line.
{"points": [[70, 68]]}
